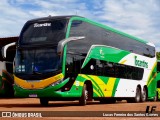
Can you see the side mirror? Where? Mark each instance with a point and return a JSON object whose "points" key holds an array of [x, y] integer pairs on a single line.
{"points": [[4, 49], [63, 42]]}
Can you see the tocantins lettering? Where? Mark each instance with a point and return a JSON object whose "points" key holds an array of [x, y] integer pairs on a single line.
{"points": [[141, 63]]}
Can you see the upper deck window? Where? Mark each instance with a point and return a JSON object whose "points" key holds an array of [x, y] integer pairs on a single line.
{"points": [[96, 35], [46, 31]]}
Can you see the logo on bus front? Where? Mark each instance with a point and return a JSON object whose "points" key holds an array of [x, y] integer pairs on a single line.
{"points": [[42, 24], [141, 63]]}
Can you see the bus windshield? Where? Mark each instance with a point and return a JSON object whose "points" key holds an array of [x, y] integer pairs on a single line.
{"points": [[37, 61], [43, 32]]}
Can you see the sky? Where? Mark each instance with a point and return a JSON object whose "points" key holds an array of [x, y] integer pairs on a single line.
{"points": [[140, 18]]}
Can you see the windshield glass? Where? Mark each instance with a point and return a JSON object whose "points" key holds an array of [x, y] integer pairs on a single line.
{"points": [[37, 61], [42, 32]]}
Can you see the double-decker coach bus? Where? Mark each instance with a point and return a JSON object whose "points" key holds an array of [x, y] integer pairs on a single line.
{"points": [[74, 58]]}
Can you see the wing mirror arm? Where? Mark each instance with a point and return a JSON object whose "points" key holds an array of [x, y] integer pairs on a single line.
{"points": [[5, 48], [63, 42]]}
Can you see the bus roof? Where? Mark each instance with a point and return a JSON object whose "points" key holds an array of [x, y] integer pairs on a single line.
{"points": [[53, 17]]}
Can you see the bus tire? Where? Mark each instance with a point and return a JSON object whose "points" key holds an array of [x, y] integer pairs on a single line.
{"points": [[156, 97], [137, 97], [43, 101], [84, 97], [144, 95]]}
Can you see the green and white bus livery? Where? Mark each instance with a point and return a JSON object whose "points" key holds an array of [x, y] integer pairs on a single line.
{"points": [[158, 80], [74, 58]]}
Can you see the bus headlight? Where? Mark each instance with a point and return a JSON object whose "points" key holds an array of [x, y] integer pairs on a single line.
{"points": [[58, 82]]}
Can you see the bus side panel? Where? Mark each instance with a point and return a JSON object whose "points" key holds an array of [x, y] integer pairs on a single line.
{"points": [[158, 81], [149, 74], [102, 86], [152, 83], [126, 88], [127, 85]]}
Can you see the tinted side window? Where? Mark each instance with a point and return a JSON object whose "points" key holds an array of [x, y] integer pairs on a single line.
{"points": [[122, 71], [92, 36], [97, 35], [122, 42], [110, 69], [42, 32]]}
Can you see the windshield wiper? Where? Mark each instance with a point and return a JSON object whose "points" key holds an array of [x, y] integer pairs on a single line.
{"points": [[37, 73]]}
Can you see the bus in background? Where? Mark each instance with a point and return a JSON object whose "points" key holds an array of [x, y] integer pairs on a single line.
{"points": [[74, 58], [158, 80], [6, 68]]}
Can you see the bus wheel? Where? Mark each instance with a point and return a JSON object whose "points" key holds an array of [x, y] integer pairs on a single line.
{"points": [[43, 101], [144, 95], [137, 97], [84, 97], [156, 97]]}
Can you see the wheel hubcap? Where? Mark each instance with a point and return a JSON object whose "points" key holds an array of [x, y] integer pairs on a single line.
{"points": [[86, 94], [144, 96], [138, 95]]}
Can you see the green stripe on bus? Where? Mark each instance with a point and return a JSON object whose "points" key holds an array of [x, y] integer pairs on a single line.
{"points": [[97, 85], [115, 87]]}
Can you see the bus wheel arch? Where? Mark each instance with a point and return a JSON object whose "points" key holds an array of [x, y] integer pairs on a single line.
{"points": [[138, 94], [87, 93], [90, 90], [137, 97], [156, 97]]}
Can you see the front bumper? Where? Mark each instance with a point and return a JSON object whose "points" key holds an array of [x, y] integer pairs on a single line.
{"points": [[49, 92]]}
